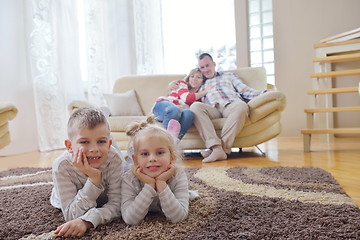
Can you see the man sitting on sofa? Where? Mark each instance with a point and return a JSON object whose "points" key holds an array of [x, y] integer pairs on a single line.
{"points": [[227, 99]]}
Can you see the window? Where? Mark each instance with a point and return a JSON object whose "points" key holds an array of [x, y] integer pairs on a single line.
{"points": [[261, 36], [192, 27]]}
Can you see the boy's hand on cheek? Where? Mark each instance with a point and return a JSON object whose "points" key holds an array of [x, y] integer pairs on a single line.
{"points": [[81, 163], [143, 177]]}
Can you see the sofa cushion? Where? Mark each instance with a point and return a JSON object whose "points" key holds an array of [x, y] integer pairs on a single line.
{"points": [[123, 104]]}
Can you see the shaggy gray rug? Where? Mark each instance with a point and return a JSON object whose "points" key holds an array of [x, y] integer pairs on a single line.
{"points": [[234, 203]]}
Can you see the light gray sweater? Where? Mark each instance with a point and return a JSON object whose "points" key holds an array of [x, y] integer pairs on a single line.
{"points": [[78, 197]]}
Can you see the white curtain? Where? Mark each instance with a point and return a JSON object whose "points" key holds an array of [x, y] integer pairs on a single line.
{"points": [[148, 36], [119, 37], [54, 66]]}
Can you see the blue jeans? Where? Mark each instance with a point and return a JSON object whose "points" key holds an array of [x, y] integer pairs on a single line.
{"points": [[164, 111]]}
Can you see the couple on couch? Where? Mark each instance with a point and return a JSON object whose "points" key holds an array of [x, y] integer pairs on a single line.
{"points": [[222, 94]]}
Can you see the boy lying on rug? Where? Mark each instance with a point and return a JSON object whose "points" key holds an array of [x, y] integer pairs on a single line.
{"points": [[153, 183], [87, 176]]}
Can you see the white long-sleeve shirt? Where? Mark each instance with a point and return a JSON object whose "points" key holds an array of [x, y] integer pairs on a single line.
{"points": [[137, 198], [78, 197]]}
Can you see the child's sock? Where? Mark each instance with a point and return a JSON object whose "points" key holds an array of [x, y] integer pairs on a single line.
{"points": [[174, 127], [216, 154]]}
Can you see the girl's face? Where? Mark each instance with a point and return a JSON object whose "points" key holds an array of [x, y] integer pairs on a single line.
{"points": [[95, 143], [196, 80], [153, 155]]}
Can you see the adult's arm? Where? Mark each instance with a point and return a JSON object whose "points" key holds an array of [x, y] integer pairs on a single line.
{"points": [[245, 91]]}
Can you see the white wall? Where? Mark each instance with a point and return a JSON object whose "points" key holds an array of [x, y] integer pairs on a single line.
{"points": [[15, 86], [298, 25]]}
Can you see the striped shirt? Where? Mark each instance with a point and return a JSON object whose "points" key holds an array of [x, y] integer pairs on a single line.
{"points": [[78, 197], [228, 87], [181, 96], [137, 198]]}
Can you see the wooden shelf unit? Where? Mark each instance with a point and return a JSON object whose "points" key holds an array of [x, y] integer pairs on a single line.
{"points": [[326, 54]]}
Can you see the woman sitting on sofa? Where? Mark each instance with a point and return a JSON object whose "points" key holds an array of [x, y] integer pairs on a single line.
{"points": [[173, 110]]}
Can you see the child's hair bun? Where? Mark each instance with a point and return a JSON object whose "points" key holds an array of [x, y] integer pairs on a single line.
{"points": [[134, 127]]}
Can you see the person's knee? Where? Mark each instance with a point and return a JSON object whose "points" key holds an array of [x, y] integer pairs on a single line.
{"points": [[196, 107], [189, 115], [190, 118], [240, 106], [173, 112]]}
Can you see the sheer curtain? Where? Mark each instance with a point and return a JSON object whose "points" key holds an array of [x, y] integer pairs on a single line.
{"points": [[148, 36], [117, 38], [54, 66]]}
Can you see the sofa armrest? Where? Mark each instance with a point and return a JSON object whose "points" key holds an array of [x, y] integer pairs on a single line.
{"points": [[7, 112], [78, 104], [265, 104]]}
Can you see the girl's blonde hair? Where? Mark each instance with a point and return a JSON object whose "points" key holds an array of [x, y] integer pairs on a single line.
{"points": [[148, 127], [187, 78]]}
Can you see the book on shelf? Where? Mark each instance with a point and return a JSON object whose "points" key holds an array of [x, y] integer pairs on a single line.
{"points": [[352, 34]]}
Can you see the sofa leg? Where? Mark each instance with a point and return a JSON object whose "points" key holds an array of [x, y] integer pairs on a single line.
{"points": [[262, 153]]}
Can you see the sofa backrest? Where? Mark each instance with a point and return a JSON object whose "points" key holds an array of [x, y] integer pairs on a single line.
{"points": [[149, 87], [254, 77]]}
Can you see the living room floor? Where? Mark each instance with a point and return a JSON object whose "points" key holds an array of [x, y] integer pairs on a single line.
{"points": [[340, 157]]}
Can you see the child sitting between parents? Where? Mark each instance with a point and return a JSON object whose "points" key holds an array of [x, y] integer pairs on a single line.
{"points": [[87, 176], [154, 183]]}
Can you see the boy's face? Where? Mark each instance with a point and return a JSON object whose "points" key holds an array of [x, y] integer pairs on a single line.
{"points": [[153, 156], [95, 143]]}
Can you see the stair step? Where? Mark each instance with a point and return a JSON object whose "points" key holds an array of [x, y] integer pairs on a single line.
{"points": [[331, 131], [334, 90], [332, 109], [352, 41], [339, 58], [340, 73]]}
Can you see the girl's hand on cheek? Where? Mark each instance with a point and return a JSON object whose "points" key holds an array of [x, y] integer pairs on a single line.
{"points": [[167, 174], [143, 177], [162, 178]]}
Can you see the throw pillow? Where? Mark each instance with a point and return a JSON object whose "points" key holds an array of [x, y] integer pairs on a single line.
{"points": [[123, 104]]}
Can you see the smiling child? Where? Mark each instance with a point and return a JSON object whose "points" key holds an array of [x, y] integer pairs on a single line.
{"points": [[154, 183], [87, 176]]}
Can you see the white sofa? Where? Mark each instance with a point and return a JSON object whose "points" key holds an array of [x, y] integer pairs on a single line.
{"points": [[262, 124]]}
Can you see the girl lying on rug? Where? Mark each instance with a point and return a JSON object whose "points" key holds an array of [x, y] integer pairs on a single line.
{"points": [[153, 183]]}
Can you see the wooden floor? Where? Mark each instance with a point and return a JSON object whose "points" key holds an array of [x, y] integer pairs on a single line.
{"points": [[340, 157]]}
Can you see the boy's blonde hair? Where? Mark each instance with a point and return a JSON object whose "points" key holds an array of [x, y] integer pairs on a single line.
{"points": [[86, 118], [138, 129]]}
